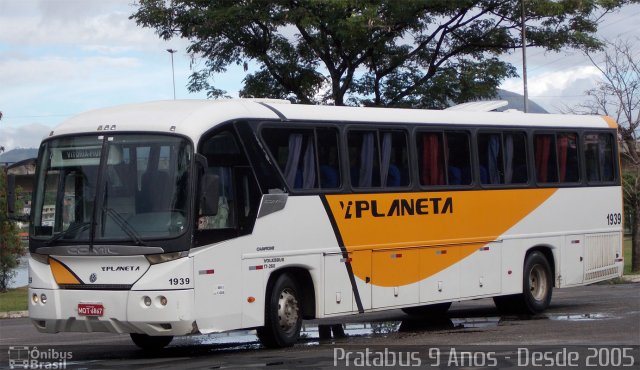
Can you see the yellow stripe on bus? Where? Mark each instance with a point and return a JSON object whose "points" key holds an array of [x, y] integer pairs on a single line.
{"points": [[61, 273], [430, 231]]}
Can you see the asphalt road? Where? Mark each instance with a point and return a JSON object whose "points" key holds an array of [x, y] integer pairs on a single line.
{"points": [[594, 325]]}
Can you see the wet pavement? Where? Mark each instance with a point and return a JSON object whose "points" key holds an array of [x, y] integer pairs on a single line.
{"points": [[578, 318]]}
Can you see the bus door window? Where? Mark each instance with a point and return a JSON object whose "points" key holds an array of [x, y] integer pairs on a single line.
{"points": [[239, 195]]}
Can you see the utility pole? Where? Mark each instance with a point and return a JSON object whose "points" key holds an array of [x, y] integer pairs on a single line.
{"points": [[173, 74], [524, 62]]}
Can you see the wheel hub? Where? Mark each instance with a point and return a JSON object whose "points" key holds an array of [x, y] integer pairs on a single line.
{"points": [[538, 282], [287, 311]]}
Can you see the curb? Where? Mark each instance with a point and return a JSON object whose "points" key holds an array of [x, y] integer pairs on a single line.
{"points": [[631, 278], [14, 314]]}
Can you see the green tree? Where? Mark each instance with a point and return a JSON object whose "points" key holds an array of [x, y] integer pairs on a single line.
{"points": [[618, 95], [412, 53], [10, 247]]}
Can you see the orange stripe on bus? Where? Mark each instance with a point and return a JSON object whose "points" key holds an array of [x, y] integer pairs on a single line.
{"points": [[418, 225], [610, 121], [61, 273]]}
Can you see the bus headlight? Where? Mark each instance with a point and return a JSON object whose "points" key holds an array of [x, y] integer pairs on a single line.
{"points": [[43, 298], [165, 257], [147, 301], [34, 298]]}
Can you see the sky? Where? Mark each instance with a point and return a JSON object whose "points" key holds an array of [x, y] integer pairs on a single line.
{"points": [[59, 58]]}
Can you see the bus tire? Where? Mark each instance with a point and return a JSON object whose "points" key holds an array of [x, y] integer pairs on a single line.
{"points": [[283, 315], [537, 283], [537, 287], [438, 309], [149, 343]]}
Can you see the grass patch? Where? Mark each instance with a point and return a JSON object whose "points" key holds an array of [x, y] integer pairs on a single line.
{"points": [[14, 300], [627, 256]]}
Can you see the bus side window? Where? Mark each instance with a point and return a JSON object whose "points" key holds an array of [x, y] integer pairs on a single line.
{"points": [[364, 159], [568, 164], [503, 158], [545, 158], [431, 158], [444, 158], [556, 157], [394, 158], [294, 152], [599, 156], [490, 153], [328, 158]]}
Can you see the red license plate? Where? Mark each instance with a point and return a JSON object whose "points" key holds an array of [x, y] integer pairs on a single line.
{"points": [[90, 309]]}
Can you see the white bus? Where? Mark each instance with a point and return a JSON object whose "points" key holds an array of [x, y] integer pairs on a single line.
{"points": [[192, 217]]}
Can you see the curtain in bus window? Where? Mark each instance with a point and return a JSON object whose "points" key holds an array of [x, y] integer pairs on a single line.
{"points": [[493, 150], [309, 163], [563, 145], [386, 156], [508, 158], [432, 168], [366, 160], [291, 168], [543, 158], [605, 157], [601, 160]]}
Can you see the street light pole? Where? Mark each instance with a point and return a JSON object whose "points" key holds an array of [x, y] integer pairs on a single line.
{"points": [[524, 62], [173, 74]]}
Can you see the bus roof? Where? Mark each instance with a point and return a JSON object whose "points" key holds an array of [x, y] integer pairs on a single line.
{"points": [[192, 118]]}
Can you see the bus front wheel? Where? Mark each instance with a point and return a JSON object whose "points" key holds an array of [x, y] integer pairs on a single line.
{"points": [[149, 343], [283, 316], [537, 287]]}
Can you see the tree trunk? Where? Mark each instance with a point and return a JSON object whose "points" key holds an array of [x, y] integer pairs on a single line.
{"points": [[635, 239]]}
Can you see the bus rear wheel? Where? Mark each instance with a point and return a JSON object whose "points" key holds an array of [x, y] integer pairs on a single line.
{"points": [[149, 343], [283, 316], [537, 287]]}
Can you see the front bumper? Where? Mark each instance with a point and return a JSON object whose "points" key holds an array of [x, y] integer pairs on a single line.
{"points": [[124, 311]]}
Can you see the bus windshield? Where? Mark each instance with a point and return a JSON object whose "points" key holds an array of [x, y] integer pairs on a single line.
{"points": [[123, 188]]}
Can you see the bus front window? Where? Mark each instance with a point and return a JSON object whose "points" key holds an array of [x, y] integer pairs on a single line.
{"points": [[119, 188]]}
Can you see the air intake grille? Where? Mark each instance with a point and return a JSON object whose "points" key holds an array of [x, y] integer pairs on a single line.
{"points": [[601, 251]]}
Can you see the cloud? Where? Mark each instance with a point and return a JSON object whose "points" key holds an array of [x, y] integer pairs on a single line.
{"points": [[554, 83], [24, 136], [103, 25]]}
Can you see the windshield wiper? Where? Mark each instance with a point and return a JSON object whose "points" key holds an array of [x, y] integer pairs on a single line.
{"points": [[73, 229], [124, 225]]}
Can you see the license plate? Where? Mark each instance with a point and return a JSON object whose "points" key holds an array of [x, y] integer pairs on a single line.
{"points": [[90, 309]]}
